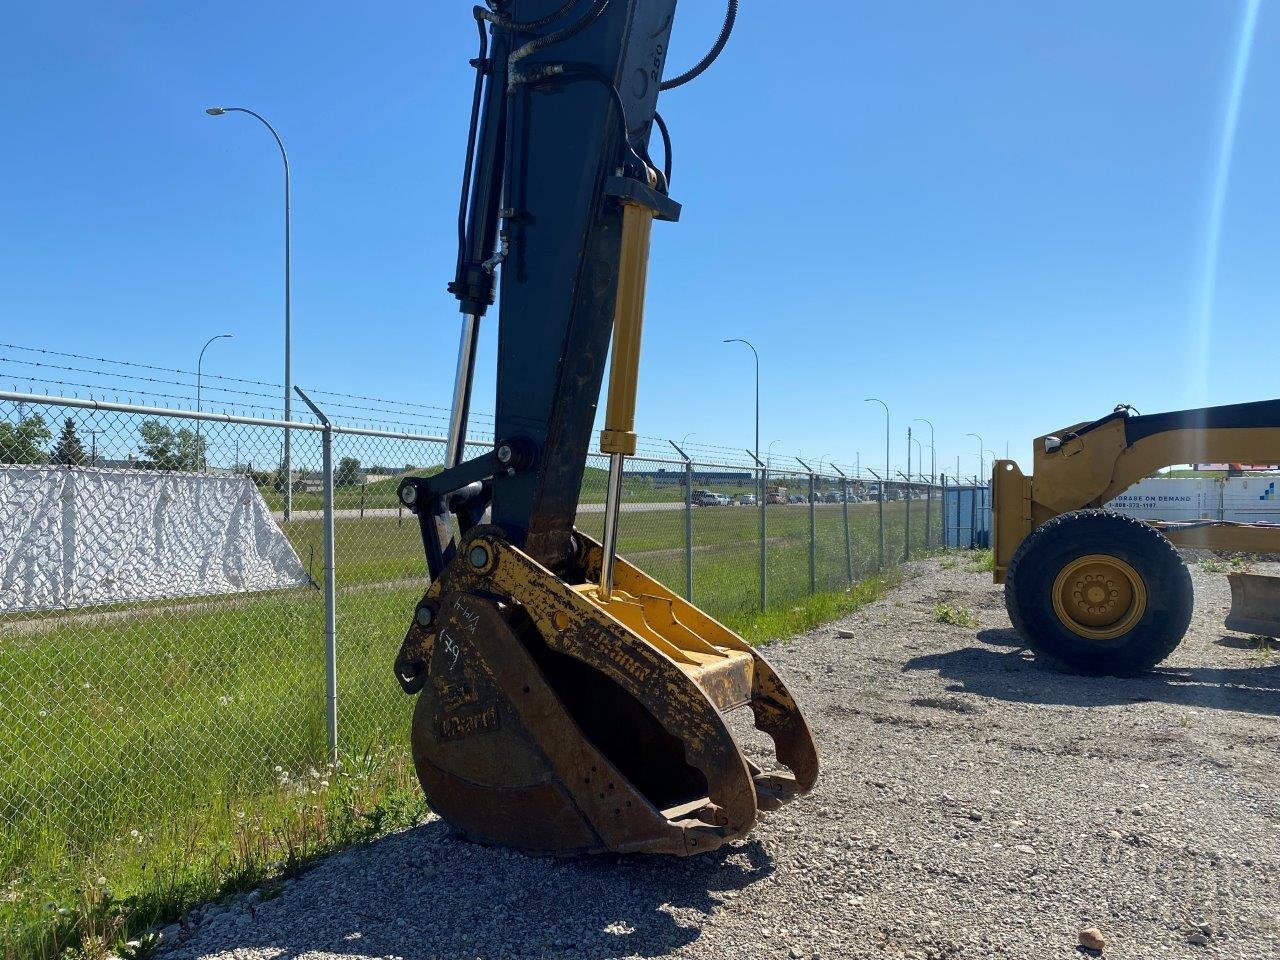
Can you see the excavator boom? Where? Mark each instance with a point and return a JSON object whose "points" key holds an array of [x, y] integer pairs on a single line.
{"points": [[567, 702]]}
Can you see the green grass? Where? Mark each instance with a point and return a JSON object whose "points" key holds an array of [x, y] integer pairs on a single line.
{"points": [[169, 720], [812, 611], [955, 616], [982, 561], [172, 719]]}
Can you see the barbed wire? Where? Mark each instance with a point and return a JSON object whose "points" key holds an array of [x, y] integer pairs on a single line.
{"points": [[413, 416], [442, 412]]}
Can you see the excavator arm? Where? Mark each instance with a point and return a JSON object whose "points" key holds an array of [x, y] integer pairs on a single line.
{"points": [[567, 702]]}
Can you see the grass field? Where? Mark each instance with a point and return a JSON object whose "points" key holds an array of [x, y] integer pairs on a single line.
{"points": [[149, 759], [380, 494]]}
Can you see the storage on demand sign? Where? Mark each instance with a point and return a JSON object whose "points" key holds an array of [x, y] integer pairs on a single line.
{"points": [[1169, 499], [1240, 499]]}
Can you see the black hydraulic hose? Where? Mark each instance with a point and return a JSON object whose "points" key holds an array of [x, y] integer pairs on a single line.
{"points": [[666, 145], [730, 15], [527, 25], [471, 138], [598, 7], [583, 71]]}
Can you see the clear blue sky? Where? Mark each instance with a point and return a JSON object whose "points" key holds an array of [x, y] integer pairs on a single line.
{"points": [[991, 214]]}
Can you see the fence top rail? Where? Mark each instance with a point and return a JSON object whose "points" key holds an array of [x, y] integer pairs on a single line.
{"points": [[109, 406]]}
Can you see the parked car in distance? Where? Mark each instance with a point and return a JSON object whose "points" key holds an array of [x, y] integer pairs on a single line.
{"points": [[705, 498], [747, 500]]}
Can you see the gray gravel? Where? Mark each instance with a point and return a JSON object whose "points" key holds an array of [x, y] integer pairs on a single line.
{"points": [[972, 804]]}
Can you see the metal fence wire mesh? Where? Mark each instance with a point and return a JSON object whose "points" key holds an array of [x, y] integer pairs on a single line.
{"points": [[163, 615]]}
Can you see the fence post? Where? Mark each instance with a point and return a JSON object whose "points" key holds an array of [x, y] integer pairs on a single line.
{"points": [[764, 557], [330, 588], [907, 552], [844, 503], [880, 512], [942, 510], [813, 535], [813, 528], [688, 522], [973, 514], [928, 516]]}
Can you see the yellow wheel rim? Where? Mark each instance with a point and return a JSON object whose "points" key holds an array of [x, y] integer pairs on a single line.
{"points": [[1099, 597]]}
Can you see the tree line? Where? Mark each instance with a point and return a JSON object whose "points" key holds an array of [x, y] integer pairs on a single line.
{"points": [[160, 447]]}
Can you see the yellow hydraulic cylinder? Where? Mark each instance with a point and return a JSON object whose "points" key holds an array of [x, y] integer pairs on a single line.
{"points": [[618, 439], [619, 433]]}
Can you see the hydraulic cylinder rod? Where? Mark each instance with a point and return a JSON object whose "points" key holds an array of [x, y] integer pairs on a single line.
{"points": [[455, 451], [618, 439]]}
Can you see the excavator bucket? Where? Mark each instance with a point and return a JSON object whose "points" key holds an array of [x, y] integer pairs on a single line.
{"points": [[553, 720], [1255, 604]]}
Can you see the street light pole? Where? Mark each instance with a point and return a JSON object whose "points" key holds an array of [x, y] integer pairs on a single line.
{"points": [[199, 375], [755, 354], [287, 457], [933, 453], [928, 493], [763, 471], [200, 364], [768, 456], [884, 492], [982, 463]]}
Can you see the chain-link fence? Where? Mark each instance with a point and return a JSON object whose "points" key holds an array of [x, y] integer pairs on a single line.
{"points": [[168, 634]]}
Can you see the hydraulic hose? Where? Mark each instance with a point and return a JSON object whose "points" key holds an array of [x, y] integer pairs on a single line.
{"points": [[598, 7], [730, 15], [527, 25]]}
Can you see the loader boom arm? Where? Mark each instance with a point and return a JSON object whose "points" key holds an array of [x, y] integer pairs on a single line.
{"points": [[1089, 464]]}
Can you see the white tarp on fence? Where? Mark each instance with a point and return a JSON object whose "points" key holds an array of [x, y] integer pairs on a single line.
{"points": [[76, 537]]}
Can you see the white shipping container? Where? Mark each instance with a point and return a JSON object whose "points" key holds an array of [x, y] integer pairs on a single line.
{"points": [[1251, 499], [1169, 498]]}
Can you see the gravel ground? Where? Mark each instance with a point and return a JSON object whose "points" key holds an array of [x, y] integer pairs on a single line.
{"points": [[972, 804]]}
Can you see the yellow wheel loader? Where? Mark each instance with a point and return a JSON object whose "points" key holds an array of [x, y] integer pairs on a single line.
{"points": [[567, 702], [1098, 592]]}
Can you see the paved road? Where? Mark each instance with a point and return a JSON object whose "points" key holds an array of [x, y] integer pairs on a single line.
{"points": [[393, 512], [583, 508]]}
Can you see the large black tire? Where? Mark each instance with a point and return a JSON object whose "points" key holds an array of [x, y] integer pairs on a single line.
{"points": [[1097, 592]]}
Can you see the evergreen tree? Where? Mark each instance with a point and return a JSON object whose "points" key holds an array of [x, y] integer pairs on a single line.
{"points": [[69, 451]]}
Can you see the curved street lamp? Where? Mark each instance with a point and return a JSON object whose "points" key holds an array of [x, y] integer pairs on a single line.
{"points": [[755, 354], [933, 451], [199, 375], [200, 363], [764, 596], [982, 463], [768, 457], [287, 465]]}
